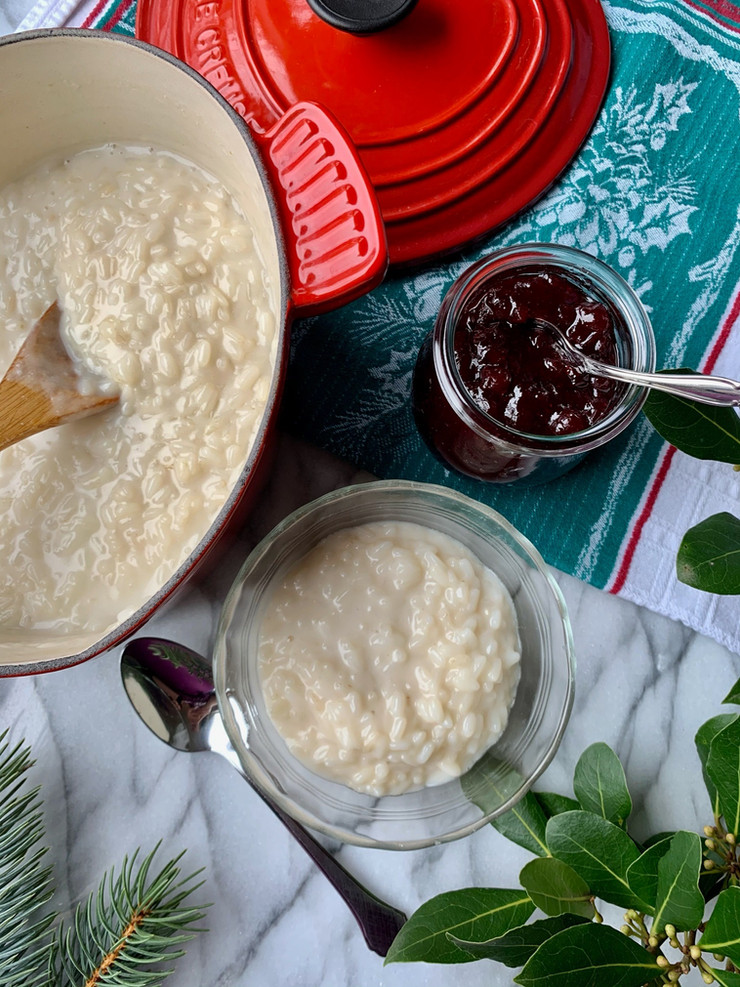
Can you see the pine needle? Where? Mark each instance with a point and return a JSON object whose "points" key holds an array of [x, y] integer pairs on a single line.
{"points": [[129, 931], [25, 882]]}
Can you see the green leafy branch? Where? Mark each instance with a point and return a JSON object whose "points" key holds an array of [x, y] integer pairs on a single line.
{"points": [[709, 554], [125, 933], [584, 854]]}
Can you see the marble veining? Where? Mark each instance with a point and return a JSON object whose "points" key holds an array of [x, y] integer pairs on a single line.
{"points": [[644, 685]]}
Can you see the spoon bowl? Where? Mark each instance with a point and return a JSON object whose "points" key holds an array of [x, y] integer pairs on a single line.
{"points": [[706, 389], [171, 688], [43, 387]]}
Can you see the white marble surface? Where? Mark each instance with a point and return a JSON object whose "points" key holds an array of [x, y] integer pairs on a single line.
{"points": [[644, 684]]}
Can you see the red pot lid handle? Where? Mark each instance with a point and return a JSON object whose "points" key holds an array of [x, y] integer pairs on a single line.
{"points": [[361, 16], [335, 239]]}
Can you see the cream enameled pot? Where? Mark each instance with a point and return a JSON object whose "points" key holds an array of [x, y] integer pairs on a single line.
{"points": [[301, 184]]}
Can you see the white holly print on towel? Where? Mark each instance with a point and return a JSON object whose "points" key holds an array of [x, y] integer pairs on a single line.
{"points": [[619, 200]]}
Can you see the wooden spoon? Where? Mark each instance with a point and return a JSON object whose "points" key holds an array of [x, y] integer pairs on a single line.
{"points": [[42, 387]]}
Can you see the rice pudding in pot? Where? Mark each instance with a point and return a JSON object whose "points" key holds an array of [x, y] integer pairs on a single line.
{"points": [[389, 657], [164, 293]]}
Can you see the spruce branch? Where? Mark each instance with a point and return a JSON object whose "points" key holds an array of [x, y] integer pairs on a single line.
{"points": [[132, 923], [25, 882], [126, 934]]}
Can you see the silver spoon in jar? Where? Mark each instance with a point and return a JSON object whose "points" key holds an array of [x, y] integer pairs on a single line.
{"points": [[720, 391], [172, 690]]}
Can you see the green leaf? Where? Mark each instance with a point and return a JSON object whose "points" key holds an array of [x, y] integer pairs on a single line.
{"points": [[658, 838], [600, 785], [472, 914], [489, 784], [589, 956], [725, 978], [700, 430], [679, 901], [597, 850], [703, 740], [642, 875], [515, 948], [711, 882], [733, 696], [709, 555], [525, 825], [722, 932], [723, 768], [555, 888], [553, 804]]}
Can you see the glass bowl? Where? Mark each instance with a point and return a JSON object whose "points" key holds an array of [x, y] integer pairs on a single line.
{"points": [[537, 719], [472, 442]]}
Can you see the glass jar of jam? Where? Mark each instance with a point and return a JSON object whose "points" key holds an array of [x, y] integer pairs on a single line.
{"points": [[494, 397]]}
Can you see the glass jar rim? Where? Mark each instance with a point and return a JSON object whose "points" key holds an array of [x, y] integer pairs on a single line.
{"points": [[594, 275]]}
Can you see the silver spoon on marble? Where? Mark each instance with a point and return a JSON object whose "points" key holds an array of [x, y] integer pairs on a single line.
{"points": [[171, 688], [719, 391]]}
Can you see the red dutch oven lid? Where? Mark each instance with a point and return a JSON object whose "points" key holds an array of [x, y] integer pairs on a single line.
{"points": [[463, 111]]}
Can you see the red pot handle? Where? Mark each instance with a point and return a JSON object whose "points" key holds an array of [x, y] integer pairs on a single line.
{"points": [[331, 221]]}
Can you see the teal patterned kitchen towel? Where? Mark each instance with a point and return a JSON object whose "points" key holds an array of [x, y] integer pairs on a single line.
{"points": [[655, 192]]}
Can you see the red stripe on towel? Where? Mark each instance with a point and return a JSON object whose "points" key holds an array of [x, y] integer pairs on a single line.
{"points": [[643, 516], [94, 13], [721, 11], [641, 521], [721, 339], [118, 14]]}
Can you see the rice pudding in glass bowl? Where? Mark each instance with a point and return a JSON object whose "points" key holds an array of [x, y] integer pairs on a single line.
{"points": [[394, 665]]}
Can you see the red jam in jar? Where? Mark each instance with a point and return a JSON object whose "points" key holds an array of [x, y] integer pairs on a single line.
{"points": [[513, 368], [493, 395]]}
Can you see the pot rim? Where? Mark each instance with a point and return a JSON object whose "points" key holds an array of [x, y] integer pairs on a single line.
{"points": [[126, 628]]}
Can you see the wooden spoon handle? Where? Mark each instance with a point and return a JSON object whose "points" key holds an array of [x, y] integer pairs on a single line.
{"points": [[42, 388], [22, 410]]}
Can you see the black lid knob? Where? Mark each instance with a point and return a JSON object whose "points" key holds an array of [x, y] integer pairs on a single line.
{"points": [[361, 16]]}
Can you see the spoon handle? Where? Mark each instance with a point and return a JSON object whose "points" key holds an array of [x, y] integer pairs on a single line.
{"points": [[177, 684], [379, 922], [719, 391]]}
